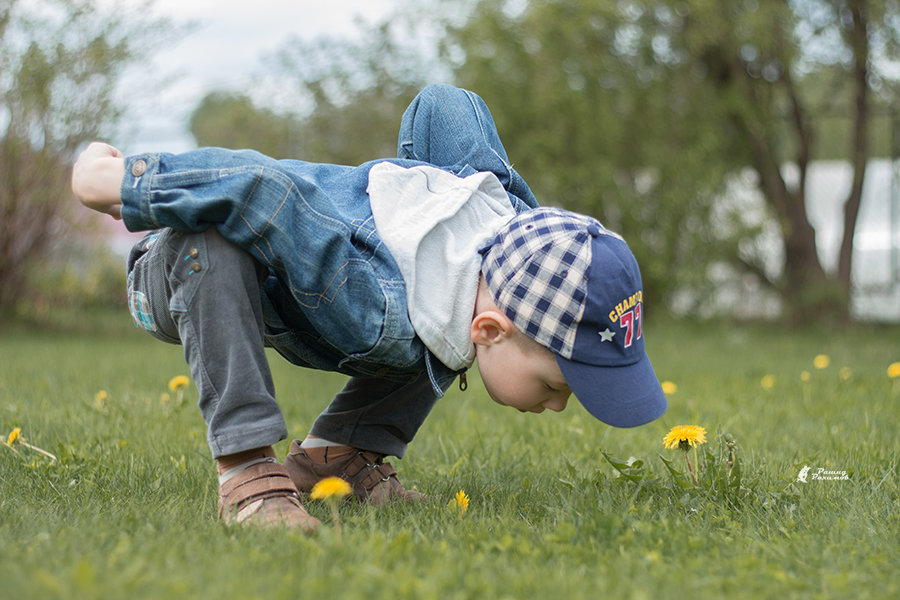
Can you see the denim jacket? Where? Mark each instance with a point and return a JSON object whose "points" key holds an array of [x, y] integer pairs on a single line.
{"points": [[334, 299]]}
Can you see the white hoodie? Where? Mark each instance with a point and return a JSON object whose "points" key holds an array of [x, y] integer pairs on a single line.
{"points": [[433, 223]]}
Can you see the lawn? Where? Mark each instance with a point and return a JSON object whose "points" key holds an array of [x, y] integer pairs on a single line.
{"points": [[560, 505]]}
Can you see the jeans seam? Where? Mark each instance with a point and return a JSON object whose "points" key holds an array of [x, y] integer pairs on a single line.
{"points": [[478, 118]]}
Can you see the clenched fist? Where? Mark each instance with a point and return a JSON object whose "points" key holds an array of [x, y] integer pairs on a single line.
{"points": [[97, 178]]}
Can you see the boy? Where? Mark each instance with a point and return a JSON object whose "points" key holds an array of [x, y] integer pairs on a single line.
{"points": [[399, 272]]}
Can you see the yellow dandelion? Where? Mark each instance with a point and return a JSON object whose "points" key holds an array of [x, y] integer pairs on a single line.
{"points": [[462, 501], [821, 361], [685, 436], [100, 399], [893, 370], [669, 388], [14, 436], [767, 382], [845, 373], [330, 487], [805, 376], [177, 383]]}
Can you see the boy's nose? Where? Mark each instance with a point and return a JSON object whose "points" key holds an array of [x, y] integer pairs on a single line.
{"points": [[556, 404]]}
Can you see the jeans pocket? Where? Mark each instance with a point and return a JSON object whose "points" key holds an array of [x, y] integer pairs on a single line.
{"points": [[139, 306], [148, 297]]}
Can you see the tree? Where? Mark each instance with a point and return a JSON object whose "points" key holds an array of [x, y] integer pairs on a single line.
{"points": [[584, 132], [669, 97], [354, 92], [341, 101], [59, 62], [596, 122], [764, 70], [642, 113], [232, 120]]}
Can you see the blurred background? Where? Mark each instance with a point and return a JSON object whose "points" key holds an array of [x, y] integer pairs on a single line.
{"points": [[747, 149]]}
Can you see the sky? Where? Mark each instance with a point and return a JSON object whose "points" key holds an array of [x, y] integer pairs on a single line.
{"points": [[224, 50]]}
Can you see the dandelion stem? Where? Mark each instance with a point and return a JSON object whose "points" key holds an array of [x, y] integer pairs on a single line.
{"points": [[36, 449], [730, 460], [690, 468], [696, 460], [337, 519]]}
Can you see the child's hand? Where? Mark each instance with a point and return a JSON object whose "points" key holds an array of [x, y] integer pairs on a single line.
{"points": [[97, 178]]}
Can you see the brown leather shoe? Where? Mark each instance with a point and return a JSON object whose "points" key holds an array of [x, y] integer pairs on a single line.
{"points": [[372, 479], [263, 495]]}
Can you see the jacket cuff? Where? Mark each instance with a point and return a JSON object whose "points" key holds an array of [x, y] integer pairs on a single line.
{"points": [[136, 209]]}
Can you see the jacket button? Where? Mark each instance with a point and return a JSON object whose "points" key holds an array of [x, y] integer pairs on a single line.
{"points": [[196, 267], [139, 167], [194, 253]]}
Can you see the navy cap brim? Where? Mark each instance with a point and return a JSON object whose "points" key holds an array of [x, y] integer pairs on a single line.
{"points": [[622, 396]]}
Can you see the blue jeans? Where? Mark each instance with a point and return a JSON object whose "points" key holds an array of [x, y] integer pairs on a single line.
{"points": [[255, 252]]}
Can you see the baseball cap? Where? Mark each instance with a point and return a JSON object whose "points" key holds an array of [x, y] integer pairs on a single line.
{"points": [[575, 287]]}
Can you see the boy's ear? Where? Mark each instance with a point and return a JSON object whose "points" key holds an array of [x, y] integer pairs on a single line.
{"points": [[490, 327]]}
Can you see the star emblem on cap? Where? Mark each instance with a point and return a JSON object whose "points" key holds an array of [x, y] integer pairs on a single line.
{"points": [[607, 336]]}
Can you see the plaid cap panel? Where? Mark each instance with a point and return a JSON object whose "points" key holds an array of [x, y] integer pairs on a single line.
{"points": [[536, 273]]}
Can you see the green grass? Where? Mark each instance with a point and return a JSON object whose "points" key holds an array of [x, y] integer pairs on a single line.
{"points": [[128, 511]]}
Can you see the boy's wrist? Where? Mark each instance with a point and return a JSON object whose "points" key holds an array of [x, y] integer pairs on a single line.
{"points": [[97, 179]]}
